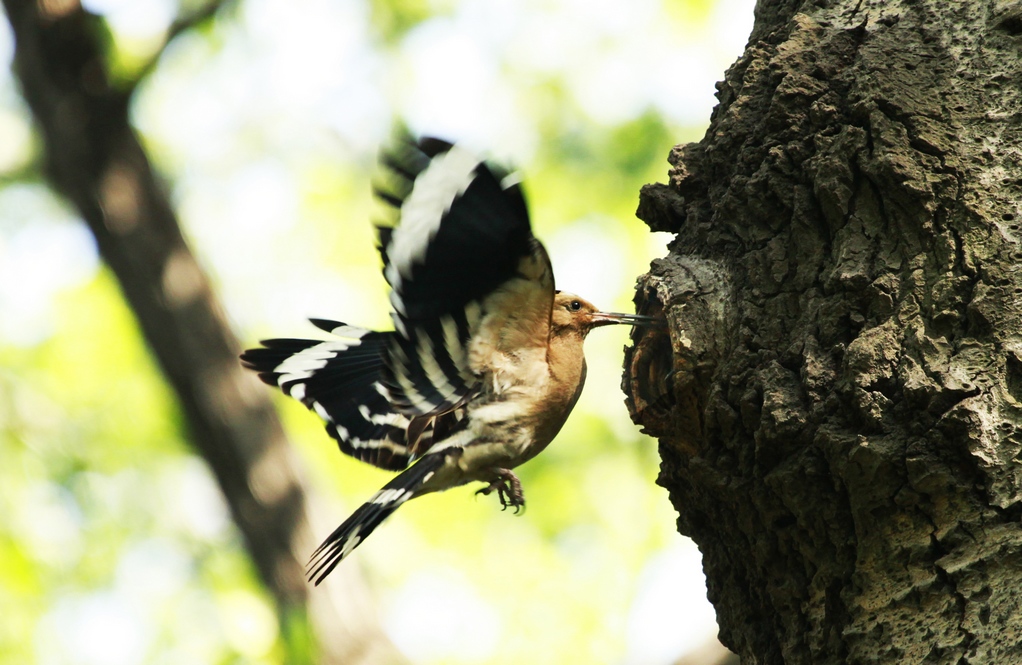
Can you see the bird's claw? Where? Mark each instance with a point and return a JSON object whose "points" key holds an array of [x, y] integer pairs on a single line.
{"points": [[509, 491]]}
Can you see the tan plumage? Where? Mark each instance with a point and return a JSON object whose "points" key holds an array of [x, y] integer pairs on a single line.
{"points": [[527, 393], [486, 360]]}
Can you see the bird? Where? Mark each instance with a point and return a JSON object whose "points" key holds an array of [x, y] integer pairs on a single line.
{"points": [[485, 361]]}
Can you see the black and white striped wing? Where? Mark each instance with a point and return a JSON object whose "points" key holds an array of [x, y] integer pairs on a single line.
{"points": [[342, 381], [462, 249]]}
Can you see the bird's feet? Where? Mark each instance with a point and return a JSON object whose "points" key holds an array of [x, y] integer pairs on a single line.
{"points": [[508, 488]]}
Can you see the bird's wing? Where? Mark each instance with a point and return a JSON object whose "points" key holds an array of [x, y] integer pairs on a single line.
{"points": [[342, 381], [462, 263]]}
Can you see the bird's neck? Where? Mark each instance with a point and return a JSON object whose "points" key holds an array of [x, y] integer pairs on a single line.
{"points": [[567, 368], [566, 359]]}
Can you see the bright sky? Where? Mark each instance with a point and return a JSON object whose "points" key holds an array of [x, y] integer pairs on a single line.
{"points": [[301, 82]]}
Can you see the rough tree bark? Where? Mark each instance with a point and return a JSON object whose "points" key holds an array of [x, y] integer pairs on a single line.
{"points": [[839, 402], [93, 158]]}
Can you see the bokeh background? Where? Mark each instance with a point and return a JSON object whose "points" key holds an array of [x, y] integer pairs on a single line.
{"points": [[115, 544]]}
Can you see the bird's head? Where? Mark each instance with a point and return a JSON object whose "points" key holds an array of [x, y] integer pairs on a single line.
{"points": [[573, 314]]}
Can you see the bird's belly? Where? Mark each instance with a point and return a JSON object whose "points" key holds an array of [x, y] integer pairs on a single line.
{"points": [[477, 460], [497, 448], [501, 434]]}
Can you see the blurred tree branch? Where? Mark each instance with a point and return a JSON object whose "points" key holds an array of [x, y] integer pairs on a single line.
{"points": [[181, 24], [93, 157]]}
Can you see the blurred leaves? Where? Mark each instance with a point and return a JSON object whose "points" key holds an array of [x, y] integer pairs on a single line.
{"points": [[104, 516], [392, 19], [264, 122]]}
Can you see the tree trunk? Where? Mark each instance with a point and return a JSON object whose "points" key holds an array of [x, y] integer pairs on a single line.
{"points": [[94, 159], [839, 401]]}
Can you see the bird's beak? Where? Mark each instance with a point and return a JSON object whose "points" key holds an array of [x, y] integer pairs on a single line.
{"points": [[611, 318]]}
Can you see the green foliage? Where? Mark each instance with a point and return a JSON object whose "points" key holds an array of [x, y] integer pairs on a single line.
{"points": [[109, 523], [394, 18], [98, 518]]}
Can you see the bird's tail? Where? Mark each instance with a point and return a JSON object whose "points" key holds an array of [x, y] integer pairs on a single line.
{"points": [[363, 521]]}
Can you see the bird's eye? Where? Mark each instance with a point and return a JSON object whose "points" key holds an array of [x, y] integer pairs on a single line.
{"points": [[575, 305]]}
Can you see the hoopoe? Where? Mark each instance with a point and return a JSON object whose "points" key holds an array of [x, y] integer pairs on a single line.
{"points": [[485, 362]]}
